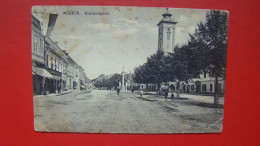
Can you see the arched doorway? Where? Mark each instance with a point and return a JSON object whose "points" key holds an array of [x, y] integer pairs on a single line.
{"points": [[172, 87], [198, 86]]}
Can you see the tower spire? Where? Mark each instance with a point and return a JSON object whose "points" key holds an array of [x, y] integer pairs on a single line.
{"points": [[167, 14], [166, 32]]}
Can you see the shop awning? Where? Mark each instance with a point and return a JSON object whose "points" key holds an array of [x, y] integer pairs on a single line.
{"points": [[41, 72]]}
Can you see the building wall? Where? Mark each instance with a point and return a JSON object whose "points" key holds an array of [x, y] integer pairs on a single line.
{"points": [[166, 37], [72, 73], [48, 55], [204, 84], [56, 64], [37, 43], [37, 54]]}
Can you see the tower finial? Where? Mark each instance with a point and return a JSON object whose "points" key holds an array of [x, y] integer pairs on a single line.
{"points": [[167, 14]]}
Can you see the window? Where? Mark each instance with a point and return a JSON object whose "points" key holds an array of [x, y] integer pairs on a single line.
{"points": [[205, 74], [36, 47], [44, 53], [168, 33], [55, 65], [35, 41], [204, 87], [33, 46], [219, 88], [51, 63], [192, 87], [47, 60], [58, 68], [211, 87]]}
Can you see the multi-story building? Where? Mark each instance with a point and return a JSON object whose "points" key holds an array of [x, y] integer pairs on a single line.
{"points": [[72, 74], [52, 68], [82, 81], [38, 65], [204, 84], [56, 64]]}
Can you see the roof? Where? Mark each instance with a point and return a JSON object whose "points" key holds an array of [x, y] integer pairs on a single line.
{"points": [[167, 18]]}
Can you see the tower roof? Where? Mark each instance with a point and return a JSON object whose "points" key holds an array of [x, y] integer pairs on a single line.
{"points": [[167, 17], [167, 14]]}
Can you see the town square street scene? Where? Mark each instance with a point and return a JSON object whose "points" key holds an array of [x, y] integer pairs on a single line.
{"points": [[128, 69]]}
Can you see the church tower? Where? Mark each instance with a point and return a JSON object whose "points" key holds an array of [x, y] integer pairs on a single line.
{"points": [[166, 32]]}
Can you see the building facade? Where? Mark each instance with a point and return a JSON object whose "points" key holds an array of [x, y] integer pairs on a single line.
{"points": [[39, 73], [56, 65], [53, 69]]}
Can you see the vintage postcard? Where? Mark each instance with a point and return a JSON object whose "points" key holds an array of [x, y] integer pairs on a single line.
{"points": [[144, 70]]}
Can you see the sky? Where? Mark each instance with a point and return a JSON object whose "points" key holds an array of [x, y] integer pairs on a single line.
{"points": [[122, 39]]}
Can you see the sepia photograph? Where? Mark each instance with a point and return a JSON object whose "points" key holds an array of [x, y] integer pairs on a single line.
{"points": [[133, 70]]}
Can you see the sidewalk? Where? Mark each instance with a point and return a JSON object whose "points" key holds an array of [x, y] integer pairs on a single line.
{"points": [[152, 96], [55, 94]]}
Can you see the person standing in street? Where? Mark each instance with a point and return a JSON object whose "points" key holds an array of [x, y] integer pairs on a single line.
{"points": [[59, 88], [172, 96], [118, 90], [141, 93], [166, 94]]}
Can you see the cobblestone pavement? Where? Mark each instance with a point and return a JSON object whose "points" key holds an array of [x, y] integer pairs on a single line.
{"points": [[103, 111]]}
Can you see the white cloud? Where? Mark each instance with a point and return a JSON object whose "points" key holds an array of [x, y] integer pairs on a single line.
{"points": [[100, 25], [124, 32], [183, 19], [73, 37], [125, 27], [128, 22]]}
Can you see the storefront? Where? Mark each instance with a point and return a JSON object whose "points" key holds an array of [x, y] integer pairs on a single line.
{"points": [[54, 84], [39, 80]]}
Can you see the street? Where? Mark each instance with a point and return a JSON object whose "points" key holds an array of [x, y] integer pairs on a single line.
{"points": [[103, 111]]}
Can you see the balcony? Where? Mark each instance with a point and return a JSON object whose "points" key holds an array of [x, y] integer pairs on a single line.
{"points": [[54, 72]]}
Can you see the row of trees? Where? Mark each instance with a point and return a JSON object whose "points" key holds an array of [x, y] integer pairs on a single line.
{"points": [[109, 83], [204, 52]]}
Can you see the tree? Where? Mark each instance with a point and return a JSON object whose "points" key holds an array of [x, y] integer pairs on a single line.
{"points": [[156, 69], [212, 37], [141, 75], [114, 80], [181, 65], [107, 82], [98, 84]]}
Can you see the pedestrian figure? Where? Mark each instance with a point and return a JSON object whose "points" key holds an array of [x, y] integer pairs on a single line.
{"points": [[118, 90], [141, 93], [166, 94], [172, 96], [59, 88], [133, 90]]}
